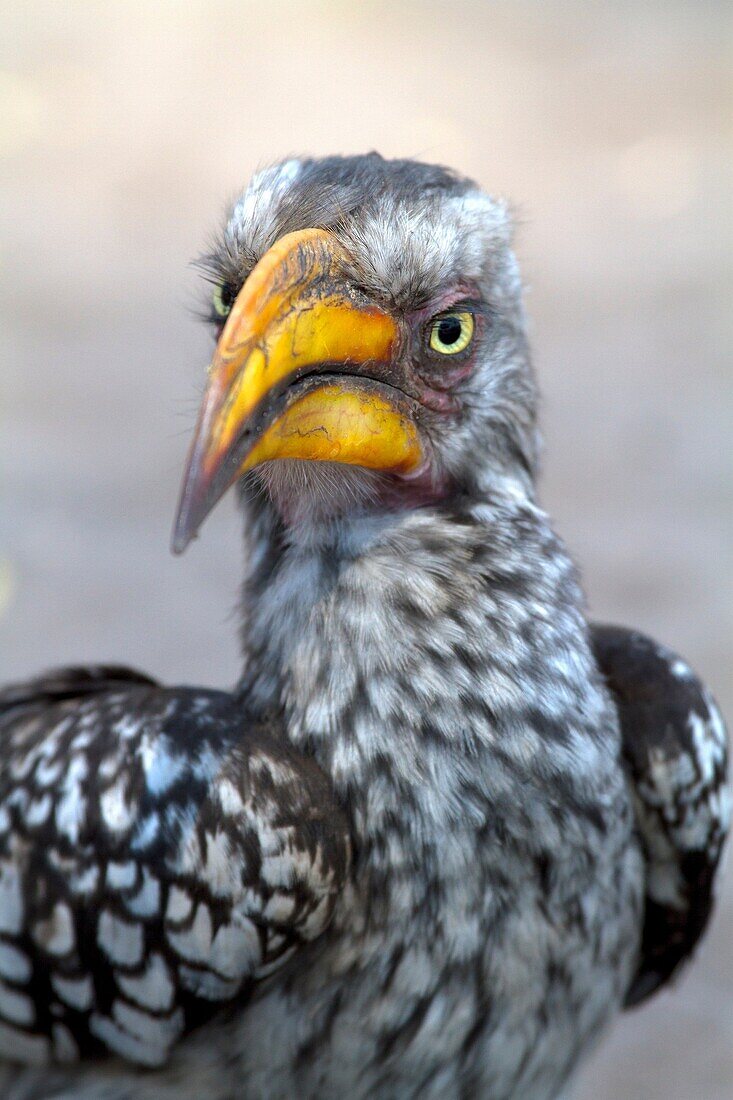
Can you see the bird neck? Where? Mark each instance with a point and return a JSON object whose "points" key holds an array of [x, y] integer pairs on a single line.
{"points": [[421, 655]]}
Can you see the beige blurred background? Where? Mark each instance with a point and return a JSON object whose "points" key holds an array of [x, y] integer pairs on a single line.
{"points": [[124, 128]]}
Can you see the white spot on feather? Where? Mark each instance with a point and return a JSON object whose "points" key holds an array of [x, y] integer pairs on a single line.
{"points": [[121, 876], [162, 1031], [72, 804], [162, 762], [195, 943], [117, 813], [86, 881], [82, 741], [127, 1046], [120, 940], [220, 871], [188, 859], [55, 934], [179, 905], [206, 764], [14, 963], [709, 750], [279, 908], [127, 728], [64, 1045], [38, 811], [11, 899], [146, 832], [278, 870], [316, 920], [111, 764], [230, 799], [15, 1006], [153, 989], [18, 799], [236, 949], [47, 773], [77, 993], [146, 902]]}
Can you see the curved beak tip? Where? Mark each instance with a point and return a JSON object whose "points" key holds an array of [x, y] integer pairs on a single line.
{"points": [[180, 541], [189, 517], [183, 533]]}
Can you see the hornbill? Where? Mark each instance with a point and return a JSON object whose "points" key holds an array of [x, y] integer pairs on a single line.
{"points": [[442, 830]]}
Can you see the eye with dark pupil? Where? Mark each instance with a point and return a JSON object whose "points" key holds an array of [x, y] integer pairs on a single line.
{"points": [[449, 330], [222, 300]]}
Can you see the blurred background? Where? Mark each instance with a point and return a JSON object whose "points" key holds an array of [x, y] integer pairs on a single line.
{"points": [[124, 130]]}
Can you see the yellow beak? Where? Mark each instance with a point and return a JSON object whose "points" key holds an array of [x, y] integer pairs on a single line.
{"points": [[300, 371]]}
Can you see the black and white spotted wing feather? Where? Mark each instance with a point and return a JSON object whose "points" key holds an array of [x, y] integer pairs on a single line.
{"points": [[675, 751], [158, 852]]}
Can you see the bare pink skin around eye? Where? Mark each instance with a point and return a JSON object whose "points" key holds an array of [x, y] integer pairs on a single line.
{"points": [[436, 378], [439, 396]]}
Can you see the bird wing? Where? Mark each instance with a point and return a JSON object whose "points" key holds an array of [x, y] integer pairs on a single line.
{"points": [[674, 748], [159, 851]]}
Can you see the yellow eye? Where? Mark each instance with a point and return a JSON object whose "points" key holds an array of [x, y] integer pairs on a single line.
{"points": [[222, 300], [451, 332]]}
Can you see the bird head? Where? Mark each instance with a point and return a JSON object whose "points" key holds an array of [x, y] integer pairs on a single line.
{"points": [[370, 340]]}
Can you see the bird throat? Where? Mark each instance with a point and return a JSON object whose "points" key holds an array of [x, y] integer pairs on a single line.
{"points": [[363, 630], [307, 494], [396, 653]]}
